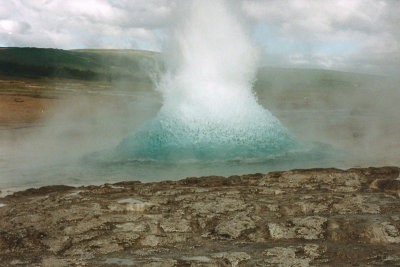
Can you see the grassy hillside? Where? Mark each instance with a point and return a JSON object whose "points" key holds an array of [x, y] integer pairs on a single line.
{"points": [[76, 64], [103, 64], [276, 87]]}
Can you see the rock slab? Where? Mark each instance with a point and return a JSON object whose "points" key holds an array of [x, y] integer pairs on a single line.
{"points": [[316, 217]]}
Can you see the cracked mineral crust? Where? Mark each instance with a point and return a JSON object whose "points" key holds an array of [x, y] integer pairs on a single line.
{"points": [[316, 217]]}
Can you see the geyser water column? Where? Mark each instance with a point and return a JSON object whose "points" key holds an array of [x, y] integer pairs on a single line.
{"points": [[209, 110]]}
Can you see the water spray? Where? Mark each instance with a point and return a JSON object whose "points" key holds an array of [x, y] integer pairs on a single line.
{"points": [[209, 109]]}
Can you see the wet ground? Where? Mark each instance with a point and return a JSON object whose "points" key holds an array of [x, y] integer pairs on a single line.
{"points": [[45, 130], [48, 126], [323, 217]]}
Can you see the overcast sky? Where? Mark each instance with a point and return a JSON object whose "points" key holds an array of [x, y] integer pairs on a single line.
{"points": [[356, 35]]}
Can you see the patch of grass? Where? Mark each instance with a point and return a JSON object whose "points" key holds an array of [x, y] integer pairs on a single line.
{"points": [[89, 64]]}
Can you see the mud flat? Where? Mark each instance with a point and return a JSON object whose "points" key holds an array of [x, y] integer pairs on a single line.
{"points": [[316, 217]]}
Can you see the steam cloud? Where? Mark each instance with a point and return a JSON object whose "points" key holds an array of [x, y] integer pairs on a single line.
{"points": [[209, 109]]}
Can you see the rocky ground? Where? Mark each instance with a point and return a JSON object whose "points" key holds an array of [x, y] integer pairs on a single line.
{"points": [[320, 217], [317, 217]]}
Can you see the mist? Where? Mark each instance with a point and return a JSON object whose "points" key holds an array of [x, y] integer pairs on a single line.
{"points": [[209, 110], [76, 125], [355, 113]]}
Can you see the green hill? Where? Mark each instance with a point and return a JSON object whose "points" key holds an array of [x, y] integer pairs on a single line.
{"points": [[275, 87], [76, 64], [278, 89], [104, 64]]}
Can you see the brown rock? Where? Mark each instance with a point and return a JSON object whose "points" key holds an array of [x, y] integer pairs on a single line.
{"points": [[297, 218]]}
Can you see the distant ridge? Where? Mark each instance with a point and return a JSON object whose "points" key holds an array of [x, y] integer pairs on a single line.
{"points": [[133, 65], [82, 64]]}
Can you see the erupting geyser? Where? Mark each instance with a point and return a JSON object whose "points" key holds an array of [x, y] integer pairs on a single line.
{"points": [[209, 110]]}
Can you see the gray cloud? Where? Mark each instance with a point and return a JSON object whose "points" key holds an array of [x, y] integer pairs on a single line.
{"points": [[315, 29], [369, 25], [89, 23]]}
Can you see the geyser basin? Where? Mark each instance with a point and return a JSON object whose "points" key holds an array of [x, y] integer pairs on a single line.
{"points": [[169, 138], [210, 122], [209, 110]]}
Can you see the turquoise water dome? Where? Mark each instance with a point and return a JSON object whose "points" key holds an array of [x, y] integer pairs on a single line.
{"points": [[209, 109], [167, 137]]}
